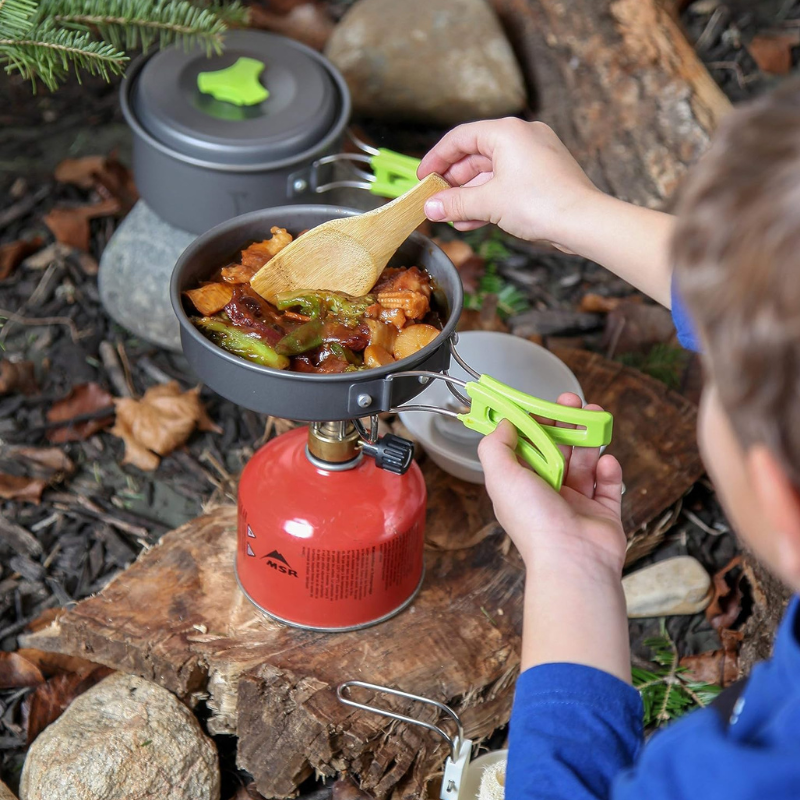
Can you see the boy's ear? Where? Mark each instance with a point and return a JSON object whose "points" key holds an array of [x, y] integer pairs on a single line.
{"points": [[779, 502]]}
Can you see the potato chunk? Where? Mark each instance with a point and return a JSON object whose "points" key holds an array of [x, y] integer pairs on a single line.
{"points": [[412, 339], [211, 298], [376, 356]]}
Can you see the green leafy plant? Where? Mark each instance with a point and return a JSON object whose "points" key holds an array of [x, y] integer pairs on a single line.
{"points": [[664, 362], [47, 39], [667, 692], [492, 249]]}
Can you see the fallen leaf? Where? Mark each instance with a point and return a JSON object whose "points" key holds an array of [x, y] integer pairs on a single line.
{"points": [[49, 700], [86, 398], [70, 226], [726, 600], [471, 271], [80, 171], [309, 23], [18, 487], [772, 52], [597, 304], [16, 671], [17, 376], [717, 667], [158, 423], [47, 462], [12, 254], [50, 664], [457, 250], [635, 327]]}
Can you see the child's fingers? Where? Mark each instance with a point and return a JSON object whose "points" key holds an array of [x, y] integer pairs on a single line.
{"points": [[571, 400], [582, 466], [465, 140], [608, 477], [497, 452], [470, 204], [468, 168]]}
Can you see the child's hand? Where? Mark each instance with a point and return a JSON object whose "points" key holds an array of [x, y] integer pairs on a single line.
{"points": [[515, 174], [573, 546], [580, 525]]}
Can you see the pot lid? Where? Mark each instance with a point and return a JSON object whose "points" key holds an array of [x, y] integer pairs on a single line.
{"points": [[264, 99]]}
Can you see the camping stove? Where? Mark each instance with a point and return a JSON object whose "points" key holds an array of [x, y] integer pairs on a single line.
{"points": [[331, 527]]}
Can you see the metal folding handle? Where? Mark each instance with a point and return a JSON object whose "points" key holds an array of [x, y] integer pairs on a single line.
{"points": [[488, 401], [456, 743]]}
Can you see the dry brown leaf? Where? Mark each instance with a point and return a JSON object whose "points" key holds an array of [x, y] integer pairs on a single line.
{"points": [[12, 254], [17, 376], [717, 667], [86, 398], [80, 171], [50, 664], [18, 487], [772, 52], [634, 327], [158, 423], [70, 226], [47, 462], [16, 671], [49, 701], [457, 250], [726, 601], [597, 304]]}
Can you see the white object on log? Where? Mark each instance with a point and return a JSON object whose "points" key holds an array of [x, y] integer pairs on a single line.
{"points": [[677, 585], [124, 738]]}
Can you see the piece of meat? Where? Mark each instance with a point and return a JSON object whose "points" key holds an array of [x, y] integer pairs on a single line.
{"points": [[248, 310], [237, 273], [398, 279], [355, 339], [258, 253]]}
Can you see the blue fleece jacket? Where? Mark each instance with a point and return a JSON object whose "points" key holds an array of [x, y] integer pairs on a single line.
{"points": [[576, 732]]}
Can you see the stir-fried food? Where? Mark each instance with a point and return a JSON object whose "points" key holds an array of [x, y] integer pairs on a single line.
{"points": [[322, 332]]}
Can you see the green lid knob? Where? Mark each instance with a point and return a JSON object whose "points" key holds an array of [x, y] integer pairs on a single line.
{"points": [[237, 84]]}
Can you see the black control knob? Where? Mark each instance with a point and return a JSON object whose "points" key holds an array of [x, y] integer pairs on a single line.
{"points": [[392, 453]]}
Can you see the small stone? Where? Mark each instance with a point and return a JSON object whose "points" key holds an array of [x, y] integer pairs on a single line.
{"points": [[677, 585], [134, 275], [439, 63], [124, 738]]}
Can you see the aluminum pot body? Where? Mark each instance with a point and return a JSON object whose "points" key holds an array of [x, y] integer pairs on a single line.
{"points": [[328, 550], [295, 395], [196, 194]]}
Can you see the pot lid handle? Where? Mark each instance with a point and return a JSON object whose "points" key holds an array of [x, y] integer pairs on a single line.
{"points": [[237, 84]]}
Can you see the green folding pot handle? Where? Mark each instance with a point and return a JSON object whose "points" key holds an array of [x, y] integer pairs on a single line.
{"points": [[493, 401]]}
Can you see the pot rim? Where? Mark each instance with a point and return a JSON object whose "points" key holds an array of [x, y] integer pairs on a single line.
{"points": [[336, 130], [362, 376]]}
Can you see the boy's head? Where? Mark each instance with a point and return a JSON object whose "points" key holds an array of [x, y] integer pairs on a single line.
{"points": [[737, 257]]}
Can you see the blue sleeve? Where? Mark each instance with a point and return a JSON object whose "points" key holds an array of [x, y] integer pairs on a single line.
{"points": [[573, 729], [683, 323]]}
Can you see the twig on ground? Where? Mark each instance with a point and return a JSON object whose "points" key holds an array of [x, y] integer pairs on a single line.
{"points": [[114, 370], [695, 520], [126, 366], [13, 317], [19, 539]]}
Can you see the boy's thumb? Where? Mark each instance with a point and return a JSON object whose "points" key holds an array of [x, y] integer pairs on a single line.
{"points": [[456, 205]]}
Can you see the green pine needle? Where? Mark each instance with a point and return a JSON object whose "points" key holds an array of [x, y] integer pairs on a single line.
{"points": [[668, 693], [15, 16], [510, 300]]}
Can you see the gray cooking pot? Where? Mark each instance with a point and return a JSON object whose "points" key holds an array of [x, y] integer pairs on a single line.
{"points": [[296, 395], [199, 159]]}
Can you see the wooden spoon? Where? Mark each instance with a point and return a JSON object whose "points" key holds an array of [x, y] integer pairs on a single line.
{"points": [[349, 254]]}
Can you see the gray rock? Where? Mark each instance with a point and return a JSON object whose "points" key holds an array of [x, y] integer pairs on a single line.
{"points": [[6, 793], [124, 739], [677, 585], [135, 270], [441, 62]]}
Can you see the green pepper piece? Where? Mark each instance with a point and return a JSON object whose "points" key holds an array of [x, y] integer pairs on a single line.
{"points": [[302, 339], [240, 343], [316, 305]]}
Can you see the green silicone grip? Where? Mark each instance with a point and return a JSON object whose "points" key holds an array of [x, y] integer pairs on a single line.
{"points": [[238, 84]]}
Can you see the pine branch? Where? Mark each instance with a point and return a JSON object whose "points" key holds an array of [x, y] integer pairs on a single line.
{"points": [[16, 17], [48, 53], [130, 24]]}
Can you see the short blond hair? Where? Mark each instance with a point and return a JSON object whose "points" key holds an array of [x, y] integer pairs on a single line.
{"points": [[736, 252]]}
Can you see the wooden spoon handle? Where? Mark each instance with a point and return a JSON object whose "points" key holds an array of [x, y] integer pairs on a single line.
{"points": [[400, 217]]}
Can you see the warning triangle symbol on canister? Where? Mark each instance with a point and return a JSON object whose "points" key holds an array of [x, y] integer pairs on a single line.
{"points": [[250, 550], [250, 534]]}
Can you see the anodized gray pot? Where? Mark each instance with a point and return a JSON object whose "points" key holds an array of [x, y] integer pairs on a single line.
{"points": [[295, 395], [195, 169]]}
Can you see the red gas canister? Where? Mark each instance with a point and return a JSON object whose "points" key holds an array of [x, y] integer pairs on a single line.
{"points": [[328, 548]]}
